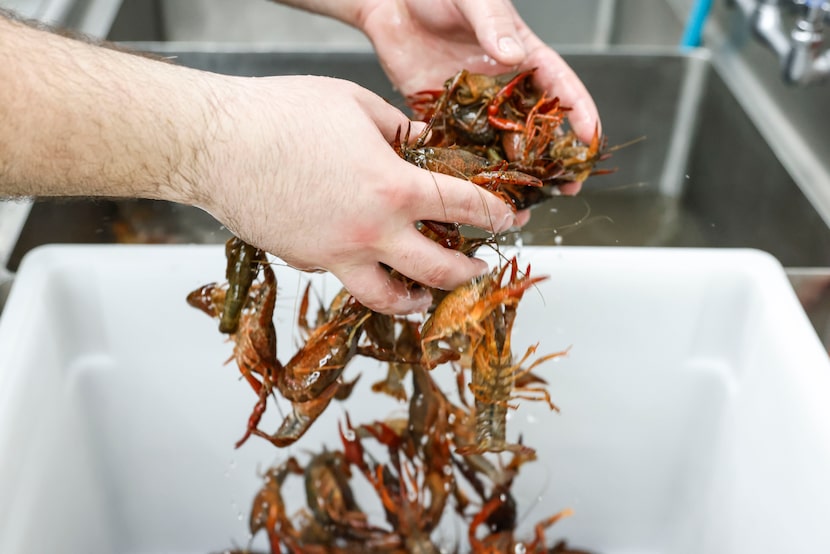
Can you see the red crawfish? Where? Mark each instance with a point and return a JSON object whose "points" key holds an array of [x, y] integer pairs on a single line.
{"points": [[312, 377]]}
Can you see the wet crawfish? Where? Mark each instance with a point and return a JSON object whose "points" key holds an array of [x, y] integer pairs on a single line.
{"points": [[312, 378], [459, 318], [501, 541], [473, 106], [399, 349], [255, 340], [268, 511], [515, 128], [243, 263], [495, 376]]}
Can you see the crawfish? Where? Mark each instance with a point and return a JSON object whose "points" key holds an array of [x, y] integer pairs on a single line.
{"points": [[471, 108], [327, 350], [331, 500], [399, 350], [462, 164], [268, 511], [504, 540], [243, 263], [255, 339], [458, 318], [400, 485], [578, 160], [312, 378], [494, 375]]}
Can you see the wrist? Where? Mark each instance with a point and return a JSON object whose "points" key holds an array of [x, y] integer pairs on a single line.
{"points": [[234, 145], [347, 11]]}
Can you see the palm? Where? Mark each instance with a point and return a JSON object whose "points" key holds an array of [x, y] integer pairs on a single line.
{"points": [[420, 44]]}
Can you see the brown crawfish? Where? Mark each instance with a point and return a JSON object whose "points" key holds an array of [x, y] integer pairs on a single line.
{"points": [[268, 511], [458, 318], [502, 541], [243, 262], [255, 340], [494, 375], [312, 378]]}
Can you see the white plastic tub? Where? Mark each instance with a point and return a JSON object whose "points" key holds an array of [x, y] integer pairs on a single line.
{"points": [[694, 404]]}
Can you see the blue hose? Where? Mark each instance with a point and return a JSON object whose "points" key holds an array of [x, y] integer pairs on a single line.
{"points": [[694, 26]]}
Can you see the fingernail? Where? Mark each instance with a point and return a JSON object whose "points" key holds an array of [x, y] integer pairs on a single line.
{"points": [[509, 46]]}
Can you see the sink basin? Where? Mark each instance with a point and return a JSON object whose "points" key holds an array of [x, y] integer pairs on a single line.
{"points": [[702, 176]]}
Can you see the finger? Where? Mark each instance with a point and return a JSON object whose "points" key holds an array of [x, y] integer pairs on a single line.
{"points": [[439, 197], [570, 189], [556, 76], [522, 217], [494, 23], [388, 118], [430, 264], [373, 287]]}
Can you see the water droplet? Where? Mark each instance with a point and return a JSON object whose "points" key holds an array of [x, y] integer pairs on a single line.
{"points": [[451, 419], [447, 469], [519, 243], [557, 240], [520, 548], [348, 434]]}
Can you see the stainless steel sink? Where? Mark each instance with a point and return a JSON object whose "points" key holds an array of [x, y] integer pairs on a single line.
{"points": [[702, 176]]}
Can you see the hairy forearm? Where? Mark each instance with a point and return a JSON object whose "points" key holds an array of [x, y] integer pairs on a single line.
{"points": [[79, 119]]}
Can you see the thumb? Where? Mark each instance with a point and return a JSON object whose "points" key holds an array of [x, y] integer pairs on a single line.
{"points": [[494, 23], [377, 290]]}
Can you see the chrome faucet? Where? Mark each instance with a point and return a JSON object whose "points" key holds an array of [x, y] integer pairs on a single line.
{"points": [[800, 51]]}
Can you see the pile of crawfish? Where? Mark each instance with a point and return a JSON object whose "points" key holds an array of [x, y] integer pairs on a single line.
{"points": [[501, 134]]}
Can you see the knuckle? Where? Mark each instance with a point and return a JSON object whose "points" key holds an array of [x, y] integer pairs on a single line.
{"points": [[383, 306], [437, 276]]}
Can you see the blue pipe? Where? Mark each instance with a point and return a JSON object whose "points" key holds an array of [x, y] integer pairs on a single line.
{"points": [[694, 26]]}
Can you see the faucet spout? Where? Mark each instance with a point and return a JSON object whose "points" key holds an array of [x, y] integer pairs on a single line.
{"points": [[766, 23], [806, 63], [800, 51]]}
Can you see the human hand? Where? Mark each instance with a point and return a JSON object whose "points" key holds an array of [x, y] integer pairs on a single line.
{"points": [[420, 44], [303, 168]]}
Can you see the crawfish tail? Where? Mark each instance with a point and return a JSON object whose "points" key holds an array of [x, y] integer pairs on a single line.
{"points": [[242, 269]]}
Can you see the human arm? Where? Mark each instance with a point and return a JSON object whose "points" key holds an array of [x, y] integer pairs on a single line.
{"points": [[299, 166]]}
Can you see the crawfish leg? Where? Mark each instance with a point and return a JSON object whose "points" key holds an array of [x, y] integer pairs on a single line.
{"points": [[501, 96], [255, 417]]}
